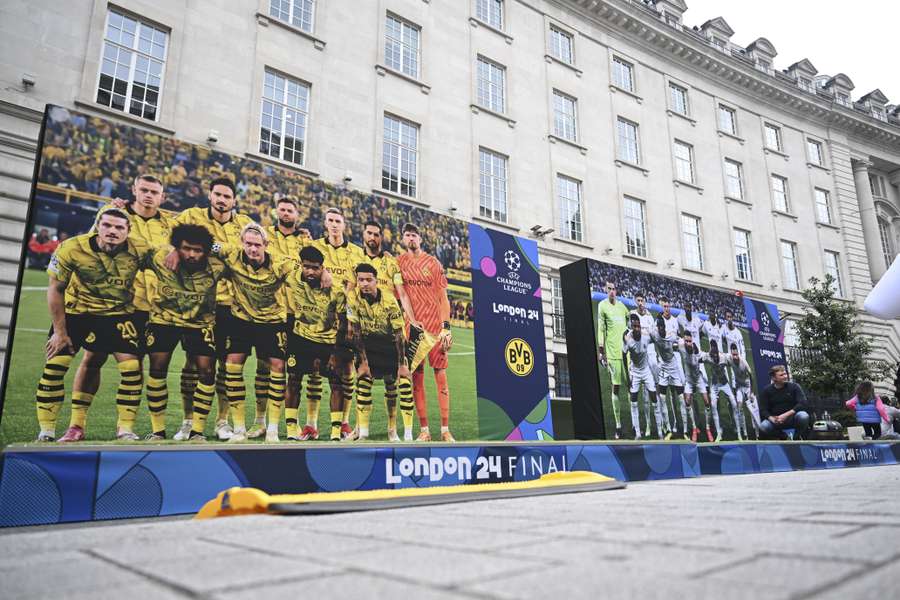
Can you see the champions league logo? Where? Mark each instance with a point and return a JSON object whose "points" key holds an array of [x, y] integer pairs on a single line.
{"points": [[512, 282], [766, 321], [513, 260]]}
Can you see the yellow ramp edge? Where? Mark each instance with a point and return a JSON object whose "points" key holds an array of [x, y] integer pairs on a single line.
{"points": [[245, 501]]}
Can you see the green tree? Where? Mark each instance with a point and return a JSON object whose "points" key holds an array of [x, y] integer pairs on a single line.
{"points": [[835, 355]]}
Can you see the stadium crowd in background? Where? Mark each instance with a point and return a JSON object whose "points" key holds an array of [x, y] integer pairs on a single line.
{"points": [[633, 282], [92, 155]]}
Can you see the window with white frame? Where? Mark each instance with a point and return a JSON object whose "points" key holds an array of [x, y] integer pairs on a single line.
{"points": [[815, 152], [780, 199], [763, 65], [629, 148], [805, 84], [623, 74], [727, 119], [568, 195], [823, 209], [789, 268], [734, 184], [692, 241], [299, 13], [878, 113], [283, 118], [773, 137], [887, 242], [399, 156], [401, 46], [742, 255], [678, 97], [720, 44], [563, 388], [565, 123], [833, 268], [876, 184], [559, 321], [562, 45], [491, 92], [490, 12], [635, 227], [684, 162], [842, 99], [492, 185], [132, 65]]}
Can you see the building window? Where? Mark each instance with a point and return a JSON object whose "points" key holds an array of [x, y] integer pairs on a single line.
{"points": [[131, 69], [693, 243], [734, 185], [559, 321], [285, 110], [399, 156], [743, 260], [679, 99], [720, 44], [876, 184], [780, 194], [635, 228], [887, 242], [562, 45], [401, 46], [806, 84], [298, 13], [878, 113], [773, 137], [490, 12], [565, 124], [815, 152], [561, 369], [684, 162], [629, 150], [823, 210], [623, 74], [842, 99], [493, 184], [727, 119], [491, 85], [833, 268], [789, 265], [568, 193], [763, 65]]}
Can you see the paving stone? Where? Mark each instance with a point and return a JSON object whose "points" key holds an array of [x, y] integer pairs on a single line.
{"points": [[359, 586]]}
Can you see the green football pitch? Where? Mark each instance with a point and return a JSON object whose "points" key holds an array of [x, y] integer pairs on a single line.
{"points": [[19, 421]]}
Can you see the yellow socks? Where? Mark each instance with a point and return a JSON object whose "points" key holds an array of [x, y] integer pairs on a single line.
{"points": [[336, 416], [363, 404], [236, 394], [276, 398], [203, 399], [313, 400], [128, 396], [157, 400], [51, 392], [81, 402]]}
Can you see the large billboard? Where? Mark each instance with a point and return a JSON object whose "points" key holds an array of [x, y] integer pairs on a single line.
{"points": [[671, 359], [270, 333]]}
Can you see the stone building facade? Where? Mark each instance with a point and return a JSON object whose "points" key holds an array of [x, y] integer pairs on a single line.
{"points": [[604, 128]]}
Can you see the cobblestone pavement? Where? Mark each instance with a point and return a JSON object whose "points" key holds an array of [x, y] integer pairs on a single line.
{"points": [[818, 534]]}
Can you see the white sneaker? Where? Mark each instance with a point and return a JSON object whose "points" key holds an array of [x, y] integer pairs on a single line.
{"points": [[123, 435], [237, 436], [407, 435], [393, 437], [224, 431], [257, 431], [271, 436], [184, 432], [46, 436]]}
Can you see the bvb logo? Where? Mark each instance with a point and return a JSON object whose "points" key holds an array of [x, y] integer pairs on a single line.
{"points": [[91, 338], [292, 361], [150, 339], [519, 357]]}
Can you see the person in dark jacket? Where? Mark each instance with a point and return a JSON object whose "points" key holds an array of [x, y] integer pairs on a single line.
{"points": [[782, 405]]}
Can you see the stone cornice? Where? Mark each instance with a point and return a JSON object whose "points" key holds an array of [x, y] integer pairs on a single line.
{"points": [[636, 21]]}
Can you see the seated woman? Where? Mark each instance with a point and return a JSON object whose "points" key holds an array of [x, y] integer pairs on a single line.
{"points": [[869, 408]]}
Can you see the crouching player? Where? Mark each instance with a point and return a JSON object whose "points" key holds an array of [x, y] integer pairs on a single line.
{"points": [[376, 327], [637, 345], [184, 310], [311, 342]]}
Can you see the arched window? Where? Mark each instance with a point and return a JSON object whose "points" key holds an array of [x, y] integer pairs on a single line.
{"points": [[887, 241]]}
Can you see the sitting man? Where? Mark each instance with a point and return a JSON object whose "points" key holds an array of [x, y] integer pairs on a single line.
{"points": [[782, 405]]}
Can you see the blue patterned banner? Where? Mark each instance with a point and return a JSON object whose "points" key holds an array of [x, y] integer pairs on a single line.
{"points": [[766, 338], [513, 398]]}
